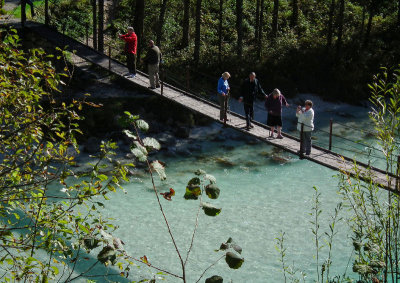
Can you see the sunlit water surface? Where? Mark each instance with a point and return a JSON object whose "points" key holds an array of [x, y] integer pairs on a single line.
{"points": [[263, 193]]}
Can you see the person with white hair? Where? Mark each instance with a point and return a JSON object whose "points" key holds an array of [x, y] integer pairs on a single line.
{"points": [[223, 95], [306, 121], [274, 104]]}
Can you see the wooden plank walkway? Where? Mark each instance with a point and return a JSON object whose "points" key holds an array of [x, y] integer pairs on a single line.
{"points": [[289, 143]]}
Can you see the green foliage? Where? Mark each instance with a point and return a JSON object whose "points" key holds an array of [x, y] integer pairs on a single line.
{"points": [[375, 213], [46, 207]]}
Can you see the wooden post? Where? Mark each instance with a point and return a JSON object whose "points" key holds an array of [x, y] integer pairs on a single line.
{"points": [[109, 57], [94, 15], [188, 77], [330, 133], [162, 80], [398, 173], [100, 40], [226, 101], [87, 33], [301, 140], [46, 13]]}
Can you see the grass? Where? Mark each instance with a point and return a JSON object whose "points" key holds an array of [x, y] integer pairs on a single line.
{"points": [[17, 11]]}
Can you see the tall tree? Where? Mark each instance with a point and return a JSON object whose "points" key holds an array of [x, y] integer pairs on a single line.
{"points": [[94, 14], [23, 12], [186, 22], [196, 54], [398, 13], [257, 21], [239, 27], [220, 18], [138, 25], [260, 30], [161, 21], [294, 20], [100, 43], [46, 12], [340, 22], [275, 18], [330, 23], [362, 20]]}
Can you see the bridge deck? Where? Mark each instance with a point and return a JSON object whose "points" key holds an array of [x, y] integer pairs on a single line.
{"points": [[289, 143]]}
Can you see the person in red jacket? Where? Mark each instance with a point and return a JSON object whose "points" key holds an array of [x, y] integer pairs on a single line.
{"points": [[130, 39]]}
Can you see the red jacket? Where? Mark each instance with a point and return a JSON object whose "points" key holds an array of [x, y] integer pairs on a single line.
{"points": [[130, 42]]}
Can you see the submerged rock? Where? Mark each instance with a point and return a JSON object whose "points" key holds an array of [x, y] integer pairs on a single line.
{"points": [[224, 162]]}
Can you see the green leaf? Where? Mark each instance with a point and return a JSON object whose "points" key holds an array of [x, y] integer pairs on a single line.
{"points": [[142, 125], [193, 189], [233, 260], [215, 279], [107, 254], [129, 134], [91, 243], [211, 210], [212, 191], [160, 169], [151, 143], [211, 178]]}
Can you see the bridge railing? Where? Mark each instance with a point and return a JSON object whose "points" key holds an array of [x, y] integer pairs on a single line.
{"points": [[184, 80]]}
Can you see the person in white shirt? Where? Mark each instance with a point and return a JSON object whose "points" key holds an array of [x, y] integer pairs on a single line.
{"points": [[306, 118]]}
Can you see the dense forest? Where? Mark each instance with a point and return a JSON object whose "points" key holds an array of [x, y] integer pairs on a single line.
{"points": [[328, 47]]}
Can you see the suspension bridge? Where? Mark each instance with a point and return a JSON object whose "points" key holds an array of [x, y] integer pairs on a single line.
{"points": [[199, 104]]}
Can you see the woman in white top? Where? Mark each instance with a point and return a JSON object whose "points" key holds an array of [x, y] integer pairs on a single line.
{"points": [[306, 118]]}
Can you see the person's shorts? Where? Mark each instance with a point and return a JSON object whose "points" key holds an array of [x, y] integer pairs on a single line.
{"points": [[274, 121]]}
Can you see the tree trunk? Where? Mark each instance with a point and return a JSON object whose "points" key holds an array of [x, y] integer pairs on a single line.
{"points": [[257, 21], [138, 25], [330, 23], [161, 20], [196, 54], [186, 22], [23, 12], [260, 30], [221, 7], [368, 31], [94, 11], [294, 20], [46, 12], [275, 19], [100, 43], [362, 21], [340, 26], [239, 27], [398, 13]]}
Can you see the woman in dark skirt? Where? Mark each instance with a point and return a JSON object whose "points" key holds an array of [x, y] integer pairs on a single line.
{"points": [[274, 104]]}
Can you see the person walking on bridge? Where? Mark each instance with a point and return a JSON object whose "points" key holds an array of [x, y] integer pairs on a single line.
{"points": [[306, 120], [251, 88], [153, 59], [274, 104], [130, 39], [223, 95]]}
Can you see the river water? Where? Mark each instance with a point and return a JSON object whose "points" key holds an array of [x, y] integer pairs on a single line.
{"points": [[264, 192]]}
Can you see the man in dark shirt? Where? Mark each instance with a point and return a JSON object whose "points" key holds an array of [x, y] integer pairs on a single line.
{"points": [[153, 59], [251, 88]]}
